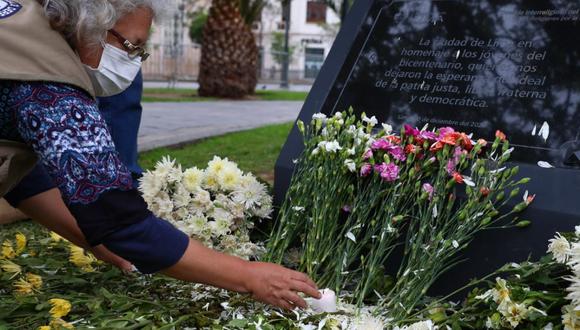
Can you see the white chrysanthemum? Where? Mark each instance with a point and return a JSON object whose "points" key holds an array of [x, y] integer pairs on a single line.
{"points": [[192, 179], [201, 202], [210, 182], [559, 247], [150, 185], [220, 227], [570, 318], [229, 178], [181, 213], [250, 192], [574, 290], [423, 325], [164, 167], [216, 165], [265, 210], [164, 204], [367, 322], [574, 257], [181, 197], [197, 224]]}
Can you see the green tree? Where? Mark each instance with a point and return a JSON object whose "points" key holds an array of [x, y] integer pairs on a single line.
{"points": [[278, 49], [196, 28]]}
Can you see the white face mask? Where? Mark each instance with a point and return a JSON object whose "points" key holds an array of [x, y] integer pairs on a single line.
{"points": [[115, 73]]}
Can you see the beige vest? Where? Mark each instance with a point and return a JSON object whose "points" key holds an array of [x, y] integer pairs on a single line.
{"points": [[31, 50]]}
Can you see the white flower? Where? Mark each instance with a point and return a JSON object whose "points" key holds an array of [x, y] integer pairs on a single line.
{"points": [[371, 121], [387, 128], [367, 322], [192, 179], [298, 208], [333, 146], [570, 318], [201, 201], [181, 197], [574, 290], [455, 244], [577, 230], [198, 223], [250, 192], [559, 248], [164, 167], [316, 151], [220, 227], [351, 151], [319, 116], [229, 178], [501, 292], [514, 313], [216, 165], [350, 165], [423, 325], [150, 185]]}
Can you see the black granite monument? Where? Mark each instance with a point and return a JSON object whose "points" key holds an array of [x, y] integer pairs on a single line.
{"points": [[477, 66]]}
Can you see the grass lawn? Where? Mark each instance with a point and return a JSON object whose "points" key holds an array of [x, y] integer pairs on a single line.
{"points": [[254, 150], [190, 95]]}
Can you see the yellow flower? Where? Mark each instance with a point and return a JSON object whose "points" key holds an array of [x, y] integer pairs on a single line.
{"points": [[60, 308], [80, 259], [20, 243], [35, 280], [10, 267], [22, 287], [7, 250], [44, 327], [56, 237], [60, 323]]}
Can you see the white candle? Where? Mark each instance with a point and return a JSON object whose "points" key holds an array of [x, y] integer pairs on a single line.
{"points": [[326, 304]]}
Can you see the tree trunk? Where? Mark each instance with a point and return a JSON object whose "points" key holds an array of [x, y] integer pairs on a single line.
{"points": [[229, 54]]}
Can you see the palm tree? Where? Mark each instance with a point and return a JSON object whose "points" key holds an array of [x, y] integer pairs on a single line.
{"points": [[229, 57]]}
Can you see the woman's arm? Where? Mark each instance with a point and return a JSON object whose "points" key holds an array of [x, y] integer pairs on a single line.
{"points": [[49, 210], [269, 283]]}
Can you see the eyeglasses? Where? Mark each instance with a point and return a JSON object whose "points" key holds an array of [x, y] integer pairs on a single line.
{"points": [[133, 50]]}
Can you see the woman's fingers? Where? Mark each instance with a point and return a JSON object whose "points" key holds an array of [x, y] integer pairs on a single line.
{"points": [[294, 299], [284, 304], [305, 288]]}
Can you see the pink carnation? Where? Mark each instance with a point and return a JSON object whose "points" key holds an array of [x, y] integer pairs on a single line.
{"points": [[389, 172], [398, 153], [381, 144], [366, 169]]}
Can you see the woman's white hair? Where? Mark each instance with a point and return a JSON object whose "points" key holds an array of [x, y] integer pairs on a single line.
{"points": [[89, 20]]}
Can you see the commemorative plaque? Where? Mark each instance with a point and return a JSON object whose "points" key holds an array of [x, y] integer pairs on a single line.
{"points": [[477, 66]]}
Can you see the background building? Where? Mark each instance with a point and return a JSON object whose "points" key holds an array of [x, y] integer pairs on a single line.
{"points": [[313, 28]]}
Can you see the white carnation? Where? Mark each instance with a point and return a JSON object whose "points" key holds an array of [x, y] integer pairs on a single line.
{"points": [[350, 165]]}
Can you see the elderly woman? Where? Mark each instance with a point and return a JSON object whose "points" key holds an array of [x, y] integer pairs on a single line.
{"points": [[48, 80]]}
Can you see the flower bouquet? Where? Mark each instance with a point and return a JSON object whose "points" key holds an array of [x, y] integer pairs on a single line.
{"points": [[217, 206]]}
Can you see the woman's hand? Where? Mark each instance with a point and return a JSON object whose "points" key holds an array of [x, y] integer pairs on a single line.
{"points": [[279, 286]]}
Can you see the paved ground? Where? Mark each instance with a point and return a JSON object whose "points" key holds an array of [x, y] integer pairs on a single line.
{"points": [[166, 124]]}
